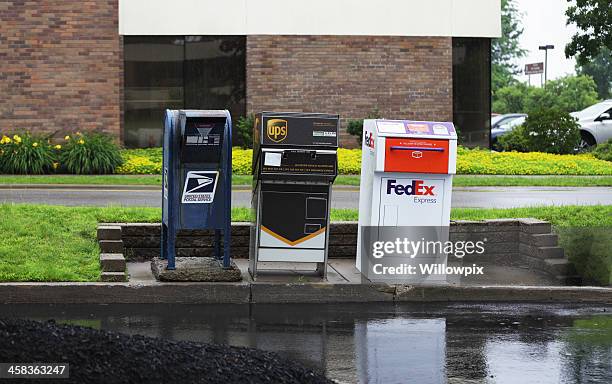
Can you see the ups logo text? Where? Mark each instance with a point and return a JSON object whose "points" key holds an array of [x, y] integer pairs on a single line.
{"points": [[276, 129]]}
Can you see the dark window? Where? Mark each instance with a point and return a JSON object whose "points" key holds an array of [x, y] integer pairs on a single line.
{"points": [[472, 90], [161, 72]]}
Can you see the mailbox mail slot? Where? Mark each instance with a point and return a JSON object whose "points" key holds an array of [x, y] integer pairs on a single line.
{"points": [[416, 155]]}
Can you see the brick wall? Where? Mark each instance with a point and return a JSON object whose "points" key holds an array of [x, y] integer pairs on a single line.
{"points": [[61, 66], [405, 77]]}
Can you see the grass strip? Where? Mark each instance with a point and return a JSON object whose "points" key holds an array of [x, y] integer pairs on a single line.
{"points": [[350, 180], [56, 243]]}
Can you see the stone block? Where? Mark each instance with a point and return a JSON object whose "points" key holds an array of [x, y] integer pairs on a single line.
{"points": [[113, 277], [539, 239], [111, 246], [347, 227], [530, 225], [109, 232], [112, 262], [205, 269], [560, 267], [141, 229], [541, 252]]}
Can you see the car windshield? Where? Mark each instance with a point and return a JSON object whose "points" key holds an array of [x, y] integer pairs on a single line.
{"points": [[595, 110], [515, 122], [496, 119]]}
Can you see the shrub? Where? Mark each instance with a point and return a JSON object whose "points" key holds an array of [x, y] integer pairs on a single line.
{"points": [[355, 127], [589, 251], [604, 151], [26, 154], [545, 130], [552, 131], [515, 140], [241, 161], [90, 153], [244, 131]]}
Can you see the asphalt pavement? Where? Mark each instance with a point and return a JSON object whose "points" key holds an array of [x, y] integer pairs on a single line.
{"points": [[342, 197]]}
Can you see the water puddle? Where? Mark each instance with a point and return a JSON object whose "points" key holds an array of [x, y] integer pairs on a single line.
{"points": [[382, 343]]}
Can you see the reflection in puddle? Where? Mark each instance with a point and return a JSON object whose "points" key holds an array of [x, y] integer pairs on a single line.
{"points": [[383, 343]]}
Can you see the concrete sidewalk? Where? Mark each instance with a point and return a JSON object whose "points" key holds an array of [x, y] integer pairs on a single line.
{"points": [[344, 285]]}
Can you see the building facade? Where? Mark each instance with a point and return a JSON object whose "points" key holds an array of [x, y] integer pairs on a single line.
{"points": [[115, 66]]}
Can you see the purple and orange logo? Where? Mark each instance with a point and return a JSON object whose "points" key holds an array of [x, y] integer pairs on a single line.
{"points": [[368, 139], [416, 188]]}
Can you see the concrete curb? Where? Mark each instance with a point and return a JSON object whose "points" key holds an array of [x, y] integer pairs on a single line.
{"points": [[246, 293], [115, 187], [84, 187]]}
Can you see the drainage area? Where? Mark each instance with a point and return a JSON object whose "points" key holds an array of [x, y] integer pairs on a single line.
{"points": [[386, 342]]}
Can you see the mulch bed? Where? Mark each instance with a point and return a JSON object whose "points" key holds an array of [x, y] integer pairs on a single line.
{"points": [[109, 357]]}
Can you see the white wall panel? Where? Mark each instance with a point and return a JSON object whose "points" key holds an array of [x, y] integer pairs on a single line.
{"points": [[477, 18]]}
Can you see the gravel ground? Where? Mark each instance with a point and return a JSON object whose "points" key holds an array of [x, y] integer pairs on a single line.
{"points": [[109, 357]]}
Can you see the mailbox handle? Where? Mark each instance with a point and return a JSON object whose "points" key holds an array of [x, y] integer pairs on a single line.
{"points": [[401, 148]]}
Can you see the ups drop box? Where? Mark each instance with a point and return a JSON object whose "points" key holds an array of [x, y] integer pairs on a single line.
{"points": [[294, 166]]}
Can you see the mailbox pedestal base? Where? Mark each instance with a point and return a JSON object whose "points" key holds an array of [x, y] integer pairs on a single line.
{"points": [[204, 269]]}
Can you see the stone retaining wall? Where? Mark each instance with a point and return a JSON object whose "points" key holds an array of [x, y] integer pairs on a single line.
{"points": [[528, 243]]}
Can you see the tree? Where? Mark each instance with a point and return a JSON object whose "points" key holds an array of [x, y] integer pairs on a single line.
{"points": [[594, 20], [568, 94], [572, 93], [506, 49], [510, 99], [600, 69]]}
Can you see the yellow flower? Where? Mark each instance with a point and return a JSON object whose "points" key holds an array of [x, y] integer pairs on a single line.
{"points": [[35, 145], [66, 137], [5, 140], [58, 146], [17, 139], [81, 141], [55, 165]]}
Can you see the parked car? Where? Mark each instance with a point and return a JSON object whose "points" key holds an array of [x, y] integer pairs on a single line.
{"points": [[499, 120], [502, 129], [595, 124]]}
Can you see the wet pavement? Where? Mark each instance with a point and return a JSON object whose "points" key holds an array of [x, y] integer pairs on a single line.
{"points": [[383, 343], [342, 197]]}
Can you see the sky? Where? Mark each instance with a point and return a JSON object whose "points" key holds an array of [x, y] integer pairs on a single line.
{"points": [[544, 23]]}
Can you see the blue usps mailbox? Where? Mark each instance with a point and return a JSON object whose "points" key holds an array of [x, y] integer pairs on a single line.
{"points": [[197, 178]]}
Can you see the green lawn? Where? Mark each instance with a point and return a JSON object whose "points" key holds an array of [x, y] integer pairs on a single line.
{"points": [[82, 179], [353, 180], [54, 243]]}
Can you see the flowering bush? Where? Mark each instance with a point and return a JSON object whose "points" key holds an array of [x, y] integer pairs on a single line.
{"points": [[241, 161], [26, 154], [349, 161], [141, 162], [95, 153], [485, 162], [469, 161], [89, 153]]}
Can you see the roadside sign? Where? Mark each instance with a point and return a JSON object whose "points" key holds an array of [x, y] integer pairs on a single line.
{"points": [[534, 68]]}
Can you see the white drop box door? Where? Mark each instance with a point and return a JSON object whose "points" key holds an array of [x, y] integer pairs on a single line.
{"points": [[413, 201]]}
